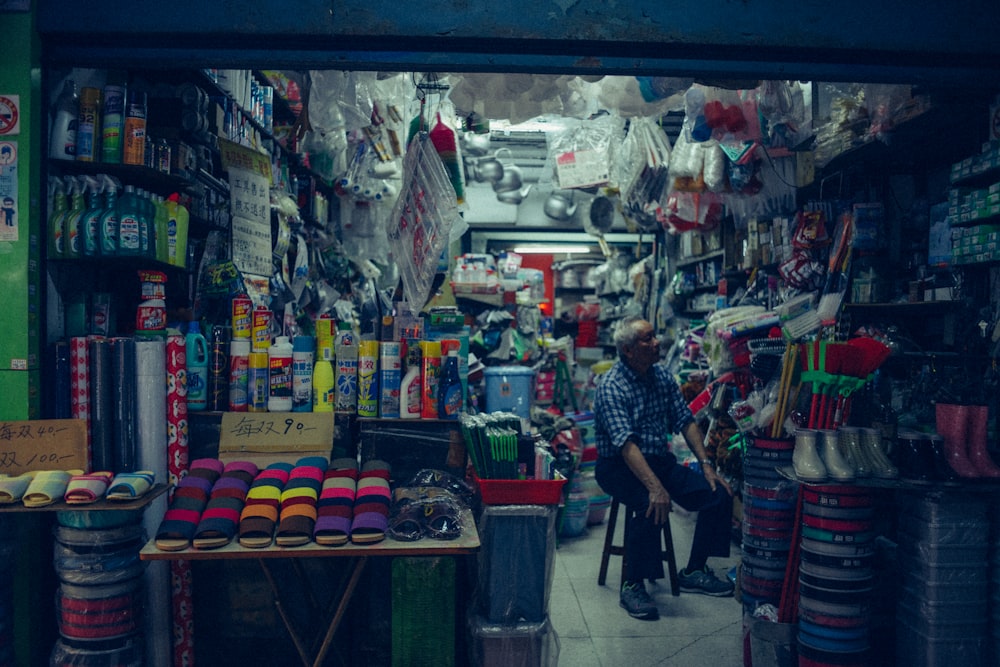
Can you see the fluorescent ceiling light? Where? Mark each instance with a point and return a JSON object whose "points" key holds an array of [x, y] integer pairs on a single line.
{"points": [[551, 249]]}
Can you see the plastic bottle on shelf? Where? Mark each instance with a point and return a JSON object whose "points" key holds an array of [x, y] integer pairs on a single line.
{"points": [[113, 119], [134, 143], [239, 359], [368, 387], [323, 394], [147, 216], [88, 126], [279, 363], [257, 382], [57, 213], [430, 377], [177, 231], [129, 223], [303, 359], [62, 138], [71, 222], [196, 350], [91, 222], [409, 394], [450, 387], [161, 227], [218, 369], [108, 225]]}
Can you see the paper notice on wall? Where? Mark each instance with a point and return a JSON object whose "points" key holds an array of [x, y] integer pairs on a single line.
{"points": [[252, 246], [8, 191]]}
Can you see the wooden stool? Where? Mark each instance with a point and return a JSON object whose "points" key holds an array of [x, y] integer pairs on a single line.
{"points": [[611, 549]]}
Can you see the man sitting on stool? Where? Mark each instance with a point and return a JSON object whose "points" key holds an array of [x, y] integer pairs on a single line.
{"points": [[637, 406]]}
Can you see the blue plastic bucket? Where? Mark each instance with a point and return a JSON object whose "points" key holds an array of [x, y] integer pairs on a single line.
{"points": [[509, 389]]}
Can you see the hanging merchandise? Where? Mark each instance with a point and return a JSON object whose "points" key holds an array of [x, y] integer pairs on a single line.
{"points": [[422, 219], [585, 152], [446, 144], [645, 190]]}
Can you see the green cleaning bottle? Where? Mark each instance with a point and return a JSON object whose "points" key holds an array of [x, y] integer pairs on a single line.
{"points": [[177, 231], [57, 212], [91, 222], [160, 226], [108, 226], [147, 219], [74, 216], [129, 224]]}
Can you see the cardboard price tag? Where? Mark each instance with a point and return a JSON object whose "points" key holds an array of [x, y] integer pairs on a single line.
{"points": [[267, 437], [43, 444]]}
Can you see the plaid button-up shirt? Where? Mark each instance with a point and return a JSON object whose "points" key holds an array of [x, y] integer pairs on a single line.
{"points": [[645, 410]]}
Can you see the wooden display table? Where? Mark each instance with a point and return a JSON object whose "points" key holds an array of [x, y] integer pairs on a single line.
{"points": [[358, 556]]}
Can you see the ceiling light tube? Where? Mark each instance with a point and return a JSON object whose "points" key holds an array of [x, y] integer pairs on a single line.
{"points": [[552, 249]]}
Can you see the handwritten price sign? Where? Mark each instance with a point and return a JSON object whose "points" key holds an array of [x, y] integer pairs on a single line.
{"points": [[43, 444], [275, 436]]}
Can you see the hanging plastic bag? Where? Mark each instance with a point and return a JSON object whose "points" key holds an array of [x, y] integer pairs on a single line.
{"points": [[584, 152], [644, 194], [422, 219]]}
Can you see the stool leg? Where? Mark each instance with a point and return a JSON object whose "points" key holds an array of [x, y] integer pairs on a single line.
{"points": [[670, 558], [609, 548]]}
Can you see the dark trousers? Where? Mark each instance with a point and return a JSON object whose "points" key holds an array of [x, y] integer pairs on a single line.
{"points": [[689, 490]]}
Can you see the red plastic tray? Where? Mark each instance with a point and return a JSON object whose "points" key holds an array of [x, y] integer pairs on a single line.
{"points": [[521, 491]]}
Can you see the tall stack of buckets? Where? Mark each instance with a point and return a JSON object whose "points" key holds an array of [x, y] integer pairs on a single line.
{"points": [[769, 509], [941, 613], [836, 576]]}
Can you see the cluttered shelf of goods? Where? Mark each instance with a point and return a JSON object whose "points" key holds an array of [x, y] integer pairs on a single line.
{"points": [[286, 308]]}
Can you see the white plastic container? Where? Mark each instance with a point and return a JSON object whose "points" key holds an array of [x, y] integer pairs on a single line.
{"points": [[279, 365]]}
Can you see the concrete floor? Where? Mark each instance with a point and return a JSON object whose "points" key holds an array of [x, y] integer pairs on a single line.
{"points": [[593, 631]]}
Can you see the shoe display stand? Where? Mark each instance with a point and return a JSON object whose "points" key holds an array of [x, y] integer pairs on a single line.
{"points": [[351, 558]]}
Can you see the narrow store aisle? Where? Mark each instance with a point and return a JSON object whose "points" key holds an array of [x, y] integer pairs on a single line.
{"points": [[693, 630]]}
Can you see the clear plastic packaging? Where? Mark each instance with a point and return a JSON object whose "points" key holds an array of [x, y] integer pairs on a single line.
{"points": [[525, 644]]}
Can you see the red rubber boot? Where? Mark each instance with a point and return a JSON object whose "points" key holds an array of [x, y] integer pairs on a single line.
{"points": [[952, 424], [979, 456]]}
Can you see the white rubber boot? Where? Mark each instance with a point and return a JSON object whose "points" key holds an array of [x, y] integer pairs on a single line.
{"points": [[836, 467], [850, 447], [805, 458], [871, 445]]}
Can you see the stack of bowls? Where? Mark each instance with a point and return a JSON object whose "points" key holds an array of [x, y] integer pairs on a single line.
{"points": [[768, 521], [99, 602], [836, 576]]}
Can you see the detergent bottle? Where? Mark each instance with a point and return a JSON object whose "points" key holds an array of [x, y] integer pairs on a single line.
{"points": [[57, 212], [177, 231], [108, 224], [196, 350], [91, 222], [74, 216], [129, 223]]}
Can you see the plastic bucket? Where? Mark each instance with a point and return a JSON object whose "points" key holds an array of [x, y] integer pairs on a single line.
{"points": [[772, 644], [508, 389]]}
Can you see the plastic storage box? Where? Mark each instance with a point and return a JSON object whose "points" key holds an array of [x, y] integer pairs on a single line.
{"points": [[516, 561], [512, 645]]}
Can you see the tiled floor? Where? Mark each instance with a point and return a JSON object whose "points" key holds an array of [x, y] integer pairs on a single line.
{"points": [[593, 631]]}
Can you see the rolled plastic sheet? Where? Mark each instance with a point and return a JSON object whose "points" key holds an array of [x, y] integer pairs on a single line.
{"points": [[177, 419], [60, 400], [181, 589], [80, 389], [151, 441], [123, 371], [102, 409]]}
